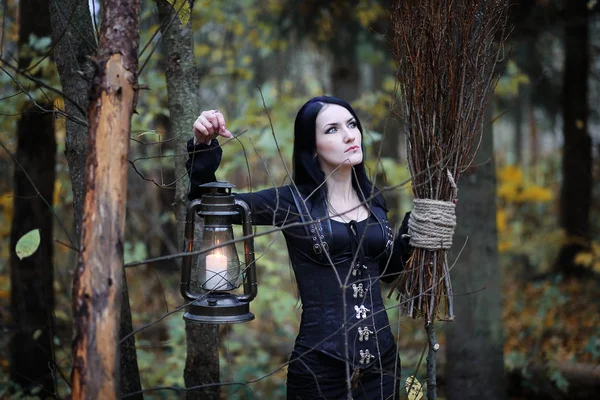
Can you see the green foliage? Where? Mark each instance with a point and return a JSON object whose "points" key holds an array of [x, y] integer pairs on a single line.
{"points": [[559, 380], [258, 348], [238, 49], [515, 360], [134, 251], [28, 244], [511, 80], [525, 198], [593, 347]]}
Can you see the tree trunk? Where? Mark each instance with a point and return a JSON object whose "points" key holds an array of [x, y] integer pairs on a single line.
{"points": [[98, 282], [200, 365], [74, 40], [575, 195], [31, 295], [475, 367], [182, 92], [202, 361], [345, 74], [130, 373], [32, 278]]}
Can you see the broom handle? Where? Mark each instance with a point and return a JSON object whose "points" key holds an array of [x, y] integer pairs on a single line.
{"points": [[431, 362]]}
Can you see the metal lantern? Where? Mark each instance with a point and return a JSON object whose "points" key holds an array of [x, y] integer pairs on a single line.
{"points": [[218, 269]]}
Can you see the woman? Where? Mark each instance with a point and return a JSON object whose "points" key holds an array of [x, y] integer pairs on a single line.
{"points": [[340, 246]]}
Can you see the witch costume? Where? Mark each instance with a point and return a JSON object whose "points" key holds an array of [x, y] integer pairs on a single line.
{"points": [[344, 330]]}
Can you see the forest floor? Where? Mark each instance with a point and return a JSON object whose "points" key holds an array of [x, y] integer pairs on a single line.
{"points": [[551, 339]]}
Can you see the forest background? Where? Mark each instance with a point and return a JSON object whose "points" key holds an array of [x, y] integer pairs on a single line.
{"points": [[258, 61]]}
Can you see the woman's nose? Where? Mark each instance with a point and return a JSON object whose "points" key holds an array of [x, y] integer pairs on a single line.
{"points": [[350, 136]]}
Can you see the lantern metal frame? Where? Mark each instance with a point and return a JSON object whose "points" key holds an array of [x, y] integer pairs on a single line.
{"points": [[218, 206]]}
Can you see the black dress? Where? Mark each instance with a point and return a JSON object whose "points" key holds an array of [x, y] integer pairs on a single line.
{"points": [[344, 329]]}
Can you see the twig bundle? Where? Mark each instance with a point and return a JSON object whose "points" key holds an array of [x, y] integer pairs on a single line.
{"points": [[445, 52]]}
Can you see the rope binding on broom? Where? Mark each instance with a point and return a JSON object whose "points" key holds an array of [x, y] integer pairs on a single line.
{"points": [[431, 224]]}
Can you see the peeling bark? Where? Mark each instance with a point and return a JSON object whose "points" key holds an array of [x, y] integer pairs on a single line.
{"points": [[99, 276]]}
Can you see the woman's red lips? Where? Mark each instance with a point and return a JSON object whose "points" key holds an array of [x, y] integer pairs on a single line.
{"points": [[352, 148]]}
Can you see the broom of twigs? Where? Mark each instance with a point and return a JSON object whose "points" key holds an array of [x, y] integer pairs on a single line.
{"points": [[446, 52]]}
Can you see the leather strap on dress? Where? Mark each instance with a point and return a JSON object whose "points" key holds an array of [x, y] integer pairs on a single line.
{"points": [[312, 225], [385, 228]]}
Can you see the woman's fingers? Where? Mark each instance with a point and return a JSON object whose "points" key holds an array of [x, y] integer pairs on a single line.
{"points": [[209, 125], [218, 121], [203, 130], [212, 119], [221, 124]]}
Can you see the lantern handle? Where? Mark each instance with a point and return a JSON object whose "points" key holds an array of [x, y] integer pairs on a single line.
{"points": [[250, 282], [186, 262]]}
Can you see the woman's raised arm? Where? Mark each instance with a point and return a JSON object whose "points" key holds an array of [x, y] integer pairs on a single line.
{"points": [[272, 206]]}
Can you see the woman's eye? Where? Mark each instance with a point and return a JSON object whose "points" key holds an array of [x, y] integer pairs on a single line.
{"points": [[352, 124], [331, 130]]}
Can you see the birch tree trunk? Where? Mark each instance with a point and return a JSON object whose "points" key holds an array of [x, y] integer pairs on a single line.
{"points": [[202, 359], [99, 276]]}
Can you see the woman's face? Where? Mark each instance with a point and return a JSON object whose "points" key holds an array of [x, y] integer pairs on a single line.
{"points": [[338, 138]]}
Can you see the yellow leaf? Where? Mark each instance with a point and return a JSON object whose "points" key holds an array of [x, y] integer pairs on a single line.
{"points": [[28, 244], [413, 388], [501, 219], [202, 50], [584, 258], [246, 60], [535, 194], [389, 84], [216, 55], [59, 314], [507, 191], [511, 174], [504, 245], [579, 124], [238, 29], [182, 8]]}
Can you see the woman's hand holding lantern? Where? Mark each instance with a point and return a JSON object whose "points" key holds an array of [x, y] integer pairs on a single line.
{"points": [[208, 126]]}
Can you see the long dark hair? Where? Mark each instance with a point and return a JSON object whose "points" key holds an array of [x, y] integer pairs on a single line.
{"points": [[307, 174]]}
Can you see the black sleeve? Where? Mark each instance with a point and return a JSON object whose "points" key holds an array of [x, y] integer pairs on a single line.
{"points": [[390, 267], [272, 206], [203, 161]]}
